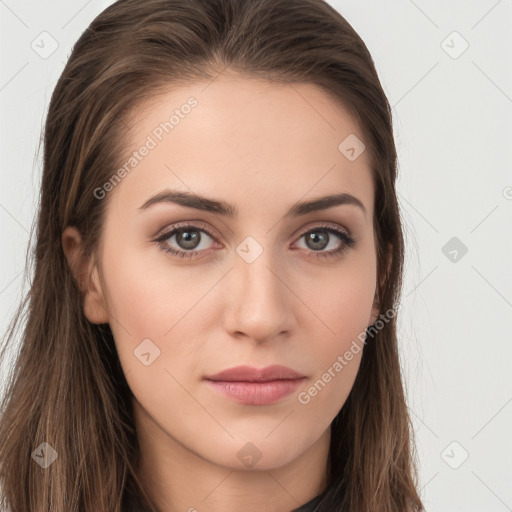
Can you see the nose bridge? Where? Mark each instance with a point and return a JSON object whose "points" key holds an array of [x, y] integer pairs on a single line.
{"points": [[260, 305]]}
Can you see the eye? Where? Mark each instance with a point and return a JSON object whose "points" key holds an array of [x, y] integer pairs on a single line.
{"points": [[189, 238], [320, 237]]}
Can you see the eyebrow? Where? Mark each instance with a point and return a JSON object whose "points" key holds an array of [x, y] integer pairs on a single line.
{"points": [[198, 202]]}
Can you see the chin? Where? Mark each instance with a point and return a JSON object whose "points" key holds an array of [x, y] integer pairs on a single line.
{"points": [[260, 454]]}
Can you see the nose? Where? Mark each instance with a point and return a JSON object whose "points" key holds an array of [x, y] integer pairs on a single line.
{"points": [[260, 304]]}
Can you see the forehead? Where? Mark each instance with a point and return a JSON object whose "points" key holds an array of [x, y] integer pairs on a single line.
{"points": [[244, 137]]}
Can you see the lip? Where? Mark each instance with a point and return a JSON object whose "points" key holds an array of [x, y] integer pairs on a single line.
{"points": [[253, 386]]}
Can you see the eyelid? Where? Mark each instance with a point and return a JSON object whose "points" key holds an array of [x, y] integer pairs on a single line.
{"points": [[196, 224], [347, 240], [214, 234], [321, 224]]}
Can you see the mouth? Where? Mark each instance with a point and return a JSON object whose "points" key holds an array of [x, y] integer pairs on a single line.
{"points": [[252, 386]]}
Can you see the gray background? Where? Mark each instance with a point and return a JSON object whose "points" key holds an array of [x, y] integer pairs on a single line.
{"points": [[453, 116]]}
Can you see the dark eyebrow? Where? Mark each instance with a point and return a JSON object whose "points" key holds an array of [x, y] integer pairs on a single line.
{"points": [[221, 207]]}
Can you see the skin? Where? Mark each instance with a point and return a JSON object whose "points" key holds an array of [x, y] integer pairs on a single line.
{"points": [[246, 142]]}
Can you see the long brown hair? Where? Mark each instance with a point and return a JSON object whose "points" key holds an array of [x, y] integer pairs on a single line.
{"points": [[67, 388]]}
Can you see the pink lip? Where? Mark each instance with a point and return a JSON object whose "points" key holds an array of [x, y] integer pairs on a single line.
{"points": [[252, 386]]}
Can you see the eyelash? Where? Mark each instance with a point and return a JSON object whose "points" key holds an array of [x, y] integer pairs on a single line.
{"points": [[348, 241]]}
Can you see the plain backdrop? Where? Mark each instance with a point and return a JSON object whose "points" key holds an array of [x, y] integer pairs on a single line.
{"points": [[446, 69]]}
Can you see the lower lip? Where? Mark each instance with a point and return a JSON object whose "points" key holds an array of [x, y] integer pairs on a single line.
{"points": [[256, 393]]}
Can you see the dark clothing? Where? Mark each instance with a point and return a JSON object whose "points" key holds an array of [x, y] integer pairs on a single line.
{"points": [[310, 505], [134, 504]]}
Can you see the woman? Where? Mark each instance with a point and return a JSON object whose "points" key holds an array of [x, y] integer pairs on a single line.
{"points": [[197, 339]]}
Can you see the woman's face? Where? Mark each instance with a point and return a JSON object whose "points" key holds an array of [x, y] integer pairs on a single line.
{"points": [[261, 281]]}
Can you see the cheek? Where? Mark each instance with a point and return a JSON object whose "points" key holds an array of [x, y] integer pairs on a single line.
{"points": [[150, 300], [341, 305], [152, 310], [337, 329], [147, 295]]}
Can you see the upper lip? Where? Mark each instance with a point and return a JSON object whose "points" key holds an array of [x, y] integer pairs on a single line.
{"points": [[251, 374]]}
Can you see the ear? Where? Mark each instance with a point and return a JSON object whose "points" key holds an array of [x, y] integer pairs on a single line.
{"points": [[85, 272], [382, 280]]}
